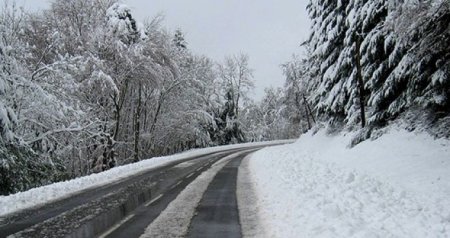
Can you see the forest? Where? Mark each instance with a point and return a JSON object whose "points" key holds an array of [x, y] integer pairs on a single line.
{"points": [[85, 87], [370, 63]]}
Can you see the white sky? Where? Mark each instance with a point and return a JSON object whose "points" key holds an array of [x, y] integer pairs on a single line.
{"points": [[269, 31]]}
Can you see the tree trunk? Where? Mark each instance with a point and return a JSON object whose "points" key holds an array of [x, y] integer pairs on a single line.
{"points": [[309, 109], [360, 80], [158, 110], [118, 103], [117, 119], [307, 115], [137, 124]]}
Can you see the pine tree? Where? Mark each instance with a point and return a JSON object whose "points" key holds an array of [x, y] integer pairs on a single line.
{"points": [[403, 59], [179, 40], [122, 24], [326, 44]]}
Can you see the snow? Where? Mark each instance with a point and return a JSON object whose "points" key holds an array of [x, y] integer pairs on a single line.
{"points": [[45, 194], [246, 199], [174, 221], [7, 117], [394, 186], [106, 81]]}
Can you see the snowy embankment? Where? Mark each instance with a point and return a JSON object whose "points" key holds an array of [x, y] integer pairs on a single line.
{"points": [[395, 186], [45, 194]]}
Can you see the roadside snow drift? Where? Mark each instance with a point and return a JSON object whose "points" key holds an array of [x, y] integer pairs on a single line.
{"points": [[395, 186]]}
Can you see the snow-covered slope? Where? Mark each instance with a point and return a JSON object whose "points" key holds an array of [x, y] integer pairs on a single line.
{"points": [[395, 186]]}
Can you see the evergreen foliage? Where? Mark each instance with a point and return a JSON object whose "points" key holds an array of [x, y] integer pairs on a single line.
{"points": [[404, 59]]}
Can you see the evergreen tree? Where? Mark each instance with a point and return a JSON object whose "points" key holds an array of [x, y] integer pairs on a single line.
{"points": [[421, 78], [326, 44], [179, 40], [403, 57], [123, 25]]}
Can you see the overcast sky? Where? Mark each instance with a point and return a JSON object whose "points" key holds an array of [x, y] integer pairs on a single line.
{"points": [[269, 31]]}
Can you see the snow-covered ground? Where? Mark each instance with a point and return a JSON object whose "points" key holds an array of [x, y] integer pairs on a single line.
{"points": [[395, 186], [42, 195]]}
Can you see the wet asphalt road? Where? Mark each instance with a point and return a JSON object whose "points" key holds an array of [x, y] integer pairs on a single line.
{"points": [[122, 208], [127, 207], [217, 213], [149, 211], [52, 218]]}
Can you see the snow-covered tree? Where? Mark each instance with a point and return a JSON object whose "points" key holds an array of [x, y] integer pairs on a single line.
{"points": [[403, 56], [201, 101], [179, 40], [84, 87], [326, 43], [20, 165], [236, 77], [122, 24], [298, 78], [421, 77]]}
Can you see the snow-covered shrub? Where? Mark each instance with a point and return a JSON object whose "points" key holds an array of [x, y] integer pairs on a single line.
{"points": [[22, 169]]}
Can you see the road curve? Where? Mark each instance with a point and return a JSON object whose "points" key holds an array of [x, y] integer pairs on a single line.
{"points": [[125, 207]]}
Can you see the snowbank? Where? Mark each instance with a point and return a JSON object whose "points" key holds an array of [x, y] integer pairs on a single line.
{"points": [[246, 199], [52, 192], [395, 186]]}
